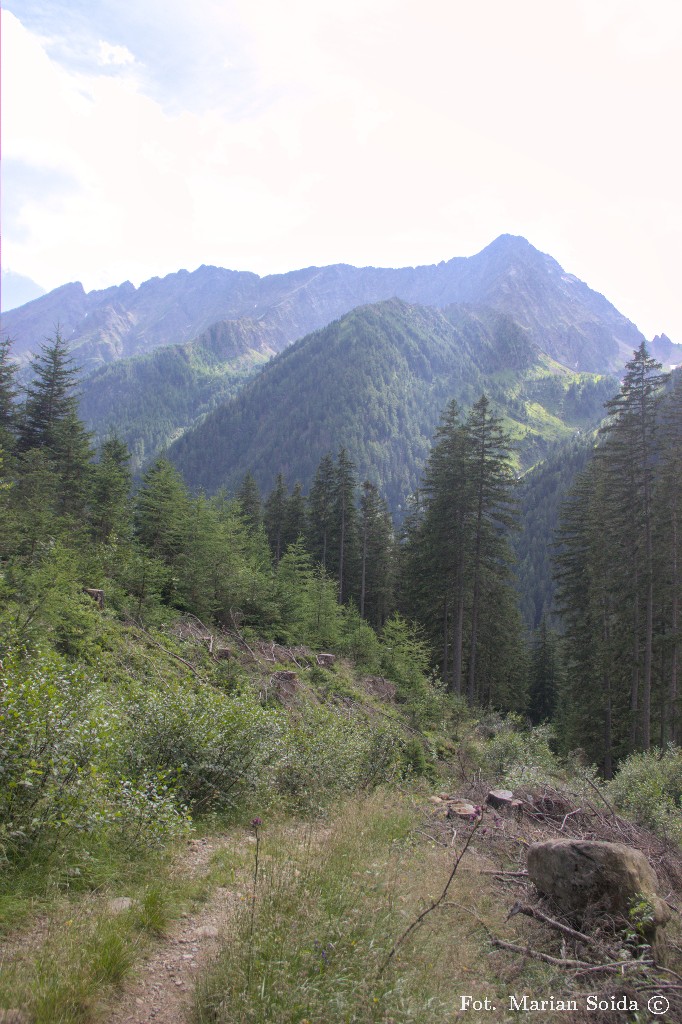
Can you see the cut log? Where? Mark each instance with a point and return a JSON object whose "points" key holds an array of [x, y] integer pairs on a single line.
{"points": [[500, 798], [462, 809], [96, 595]]}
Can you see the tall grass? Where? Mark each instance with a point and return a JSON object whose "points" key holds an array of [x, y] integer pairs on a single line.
{"points": [[329, 908]]}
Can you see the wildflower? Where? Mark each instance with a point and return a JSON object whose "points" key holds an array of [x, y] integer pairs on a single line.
{"points": [[255, 822]]}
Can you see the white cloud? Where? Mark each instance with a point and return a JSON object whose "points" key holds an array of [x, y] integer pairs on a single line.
{"points": [[118, 56], [369, 132]]}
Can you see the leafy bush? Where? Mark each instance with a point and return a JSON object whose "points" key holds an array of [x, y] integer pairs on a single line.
{"points": [[517, 755], [60, 738], [327, 753], [648, 788], [215, 748]]}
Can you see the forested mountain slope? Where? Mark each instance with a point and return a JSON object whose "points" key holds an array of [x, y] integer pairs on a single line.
{"points": [[149, 400], [540, 495], [376, 382], [568, 320]]}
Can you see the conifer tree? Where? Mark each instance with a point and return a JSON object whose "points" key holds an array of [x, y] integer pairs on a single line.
{"points": [[345, 523], [630, 452], [433, 577], [667, 500], [110, 483], [375, 558], [321, 511], [249, 499], [8, 397], [456, 549], [295, 517], [51, 398], [274, 517], [162, 512], [545, 675], [49, 422], [491, 480]]}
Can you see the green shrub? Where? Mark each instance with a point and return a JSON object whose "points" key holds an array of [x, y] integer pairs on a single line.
{"points": [[326, 752], [648, 787], [60, 743], [214, 748], [414, 759], [519, 756]]}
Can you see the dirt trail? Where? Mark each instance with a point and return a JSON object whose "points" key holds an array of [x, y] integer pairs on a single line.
{"points": [[163, 985]]}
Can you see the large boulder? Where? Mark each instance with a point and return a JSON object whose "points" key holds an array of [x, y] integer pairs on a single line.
{"points": [[582, 875]]}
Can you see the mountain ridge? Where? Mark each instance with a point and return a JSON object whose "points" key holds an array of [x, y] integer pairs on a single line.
{"points": [[572, 323]]}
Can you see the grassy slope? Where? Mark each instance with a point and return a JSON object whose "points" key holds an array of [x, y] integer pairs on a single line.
{"points": [[335, 886]]}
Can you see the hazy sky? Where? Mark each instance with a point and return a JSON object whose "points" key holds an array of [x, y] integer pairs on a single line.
{"points": [[266, 135]]}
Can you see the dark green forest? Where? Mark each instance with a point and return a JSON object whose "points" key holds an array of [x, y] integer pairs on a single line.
{"points": [[375, 383], [322, 562]]}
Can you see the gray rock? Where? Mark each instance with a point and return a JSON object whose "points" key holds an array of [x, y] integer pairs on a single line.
{"points": [[581, 875]]}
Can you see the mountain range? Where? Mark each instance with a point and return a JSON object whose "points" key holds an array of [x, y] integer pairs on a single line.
{"points": [[231, 372], [566, 319]]}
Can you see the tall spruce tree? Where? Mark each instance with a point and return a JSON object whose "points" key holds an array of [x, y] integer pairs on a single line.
{"points": [[321, 511], [491, 481], [162, 513], [345, 524], [457, 558], [51, 398], [295, 521], [667, 499], [376, 570], [49, 422], [249, 499], [110, 513], [274, 517], [8, 397], [630, 452]]}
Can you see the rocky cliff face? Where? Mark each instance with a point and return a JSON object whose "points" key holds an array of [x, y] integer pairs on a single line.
{"points": [[666, 351], [564, 317]]}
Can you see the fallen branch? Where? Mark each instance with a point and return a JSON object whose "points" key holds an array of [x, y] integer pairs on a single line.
{"points": [[523, 908], [601, 796], [170, 654], [537, 955], [432, 838], [569, 815], [658, 986], [436, 903], [666, 970], [620, 965], [507, 874]]}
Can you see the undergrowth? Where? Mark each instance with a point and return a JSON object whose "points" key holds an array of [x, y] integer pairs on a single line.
{"points": [[329, 905]]}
